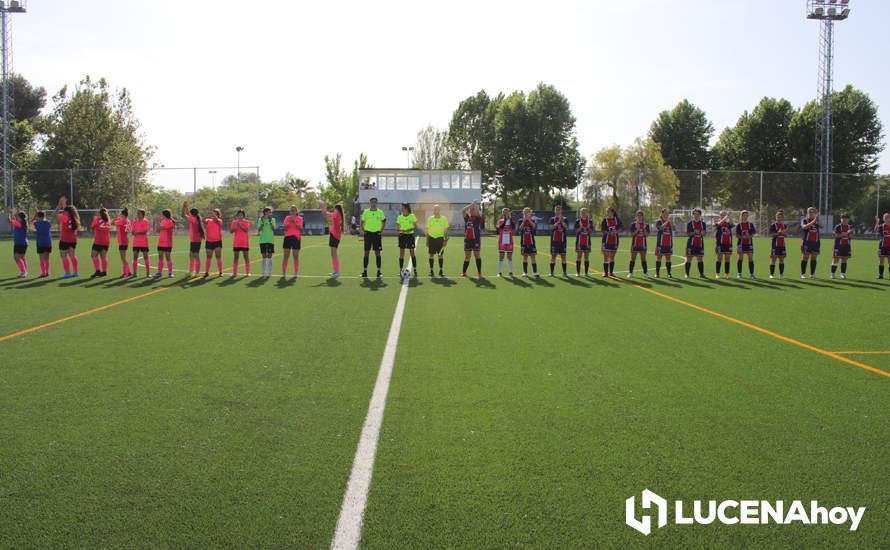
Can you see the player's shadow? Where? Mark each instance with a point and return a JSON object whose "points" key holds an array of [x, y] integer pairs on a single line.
{"points": [[881, 285], [700, 283], [414, 282], [858, 284], [33, 283], [602, 281], [284, 282], [518, 282], [116, 282], [666, 282], [228, 281], [373, 284], [15, 281], [77, 281], [730, 283], [332, 282], [541, 281], [258, 282], [482, 282], [811, 282], [759, 284], [443, 281], [573, 281]]}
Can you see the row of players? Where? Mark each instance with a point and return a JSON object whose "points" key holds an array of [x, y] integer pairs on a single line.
{"points": [[208, 230]]}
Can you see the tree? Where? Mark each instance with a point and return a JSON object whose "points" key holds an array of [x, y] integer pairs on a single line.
{"points": [[295, 184], [684, 134], [431, 151], [94, 131], [341, 187], [25, 101], [471, 132]]}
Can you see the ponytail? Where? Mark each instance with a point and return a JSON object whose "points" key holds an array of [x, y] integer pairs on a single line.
{"points": [[194, 212], [339, 209], [73, 217], [103, 213]]}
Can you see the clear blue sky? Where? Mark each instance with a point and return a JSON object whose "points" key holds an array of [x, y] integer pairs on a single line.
{"points": [[292, 81]]}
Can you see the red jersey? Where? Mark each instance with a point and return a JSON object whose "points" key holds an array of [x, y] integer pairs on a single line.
{"points": [[884, 231], [506, 227], [527, 232], [664, 233], [165, 232], [140, 241], [123, 231], [584, 229], [101, 231], [213, 230], [724, 233], [745, 231], [639, 232]]}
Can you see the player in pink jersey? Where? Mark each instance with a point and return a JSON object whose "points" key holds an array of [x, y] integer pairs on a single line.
{"points": [[122, 225], [213, 241], [140, 228], [165, 242], [69, 223], [101, 226], [196, 237], [336, 219], [293, 229], [240, 242]]}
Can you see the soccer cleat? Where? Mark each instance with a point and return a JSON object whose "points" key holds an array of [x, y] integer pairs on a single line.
{"points": [[772, 276], [647, 276], [441, 273], [630, 275], [831, 276], [511, 274], [802, 276], [170, 274], [565, 275], [525, 274], [538, 275], [752, 277], [206, 274], [93, 276], [812, 276], [432, 274], [738, 275], [551, 275], [158, 275], [364, 275], [335, 274], [686, 276], [379, 274], [781, 276], [499, 275], [75, 274], [843, 275], [464, 274]]}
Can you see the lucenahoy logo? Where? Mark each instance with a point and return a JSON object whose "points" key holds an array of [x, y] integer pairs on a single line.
{"points": [[731, 512]]}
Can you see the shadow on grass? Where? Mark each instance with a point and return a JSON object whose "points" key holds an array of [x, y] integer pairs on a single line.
{"points": [[75, 281], [373, 284], [517, 281], [32, 283], [482, 282], [574, 281], [331, 282], [443, 281], [666, 281], [602, 281], [541, 281], [258, 282]]}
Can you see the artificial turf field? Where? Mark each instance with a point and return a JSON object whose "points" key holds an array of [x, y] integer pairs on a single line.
{"points": [[521, 413]]}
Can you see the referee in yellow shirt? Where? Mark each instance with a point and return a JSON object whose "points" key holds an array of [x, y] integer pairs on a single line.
{"points": [[373, 222], [436, 238]]}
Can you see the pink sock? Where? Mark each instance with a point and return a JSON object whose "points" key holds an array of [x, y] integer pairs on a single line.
{"points": [[219, 264], [135, 265], [96, 263], [22, 265], [126, 267], [336, 265], [207, 265], [169, 265], [247, 268], [283, 268], [66, 264], [104, 262], [74, 263], [160, 265], [147, 266], [235, 267], [44, 267], [296, 266]]}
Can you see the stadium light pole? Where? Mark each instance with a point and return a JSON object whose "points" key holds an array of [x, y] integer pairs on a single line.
{"points": [[212, 178], [7, 7], [408, 150], [238, 150], [826, 12]]}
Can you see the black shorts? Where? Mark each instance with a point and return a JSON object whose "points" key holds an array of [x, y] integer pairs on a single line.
{"points": [[810, 247], [664, 250], [528, 250], [100, 247], [882, 252], [44, 249], [212, 245], [333, 241], [638, 249], [291, 243], [267, 248], [435, 245], [723, 249], [843, 251], [123, 247], [194, 248], [138, 249], [240, 249], [558, 247], [472, 244], [406, 240], [778, 252], [695, 251], [373, 241], [746, 249], [65, 245], [19, 248], [165, 249]]}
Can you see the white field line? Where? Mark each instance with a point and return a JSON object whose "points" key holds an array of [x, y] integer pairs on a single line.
{"points": [[349, 525]]}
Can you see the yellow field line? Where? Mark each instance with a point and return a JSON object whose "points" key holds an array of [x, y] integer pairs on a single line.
{"points": [[862, 352], [826, 353], [107, 306]]}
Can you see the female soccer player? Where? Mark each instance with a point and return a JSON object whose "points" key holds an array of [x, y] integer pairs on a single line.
{"points": [[140, 227], [777, 232], [559, 227], [843, 233], [809, 246], [639, 230], [69, 223], [583, 237], [723, 247], [883, 231], [437, 238], [610, 228], [196, 237], [527, 230], [293, 230], [473, 222], [745, 232], [19, 222], [336, 219], [664, 248], [165, 243], [44, 238], [406, 222], [240, 228], [266, 229], [122, 226], [696, 229], [101, 226], [213, 241], [506, 226]]}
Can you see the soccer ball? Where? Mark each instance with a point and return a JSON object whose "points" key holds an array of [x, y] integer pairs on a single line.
{"points": [[405, 272]]}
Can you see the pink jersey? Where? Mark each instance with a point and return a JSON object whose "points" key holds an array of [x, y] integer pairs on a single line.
{"points": [[213, 228], [195, 235], [101, 231], [293, 229], [336, 223], [240, 228], [140, 241], [165, 232], [123, 231], [66, 234]]}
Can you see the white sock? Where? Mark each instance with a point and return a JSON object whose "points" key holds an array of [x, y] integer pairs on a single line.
{"points": [[500, 265], [510, 265]]}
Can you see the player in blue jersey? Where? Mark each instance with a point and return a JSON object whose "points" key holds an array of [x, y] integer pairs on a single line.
{"points": [[664, 242], [843, 234], [639, 231], [696, 229], [723, 233], [778, 231], [810, 243], [559, 230], [527, 228], [745, 232], [473, 223]]}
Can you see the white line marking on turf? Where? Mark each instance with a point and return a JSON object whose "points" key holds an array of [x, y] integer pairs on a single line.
{"points": [[352, 513]]}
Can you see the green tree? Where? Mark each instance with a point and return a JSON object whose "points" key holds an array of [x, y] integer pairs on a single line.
{"points": [[684, 134], [94, 130], [341, 186], [26, 101], [431, 150]]}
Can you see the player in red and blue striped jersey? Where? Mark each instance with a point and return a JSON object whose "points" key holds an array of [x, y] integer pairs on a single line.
{"points": [[527, 228], [506, 226], [639, 230], [843, 250], [473, 222], [583, 237], [559, 231], [745, 232], [777, 232], [696, 229], [810, 243], [610, 228], [664, 245], [883, 231], [723, 247]]}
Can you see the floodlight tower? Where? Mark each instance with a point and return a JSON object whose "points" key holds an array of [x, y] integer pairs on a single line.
{"points": [[827, 12], [7, 7]]}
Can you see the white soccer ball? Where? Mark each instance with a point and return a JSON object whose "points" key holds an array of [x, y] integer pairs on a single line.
{"points": [[405, 272]]}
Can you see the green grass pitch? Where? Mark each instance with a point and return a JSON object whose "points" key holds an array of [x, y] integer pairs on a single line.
{"points": [[521, 413]]}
